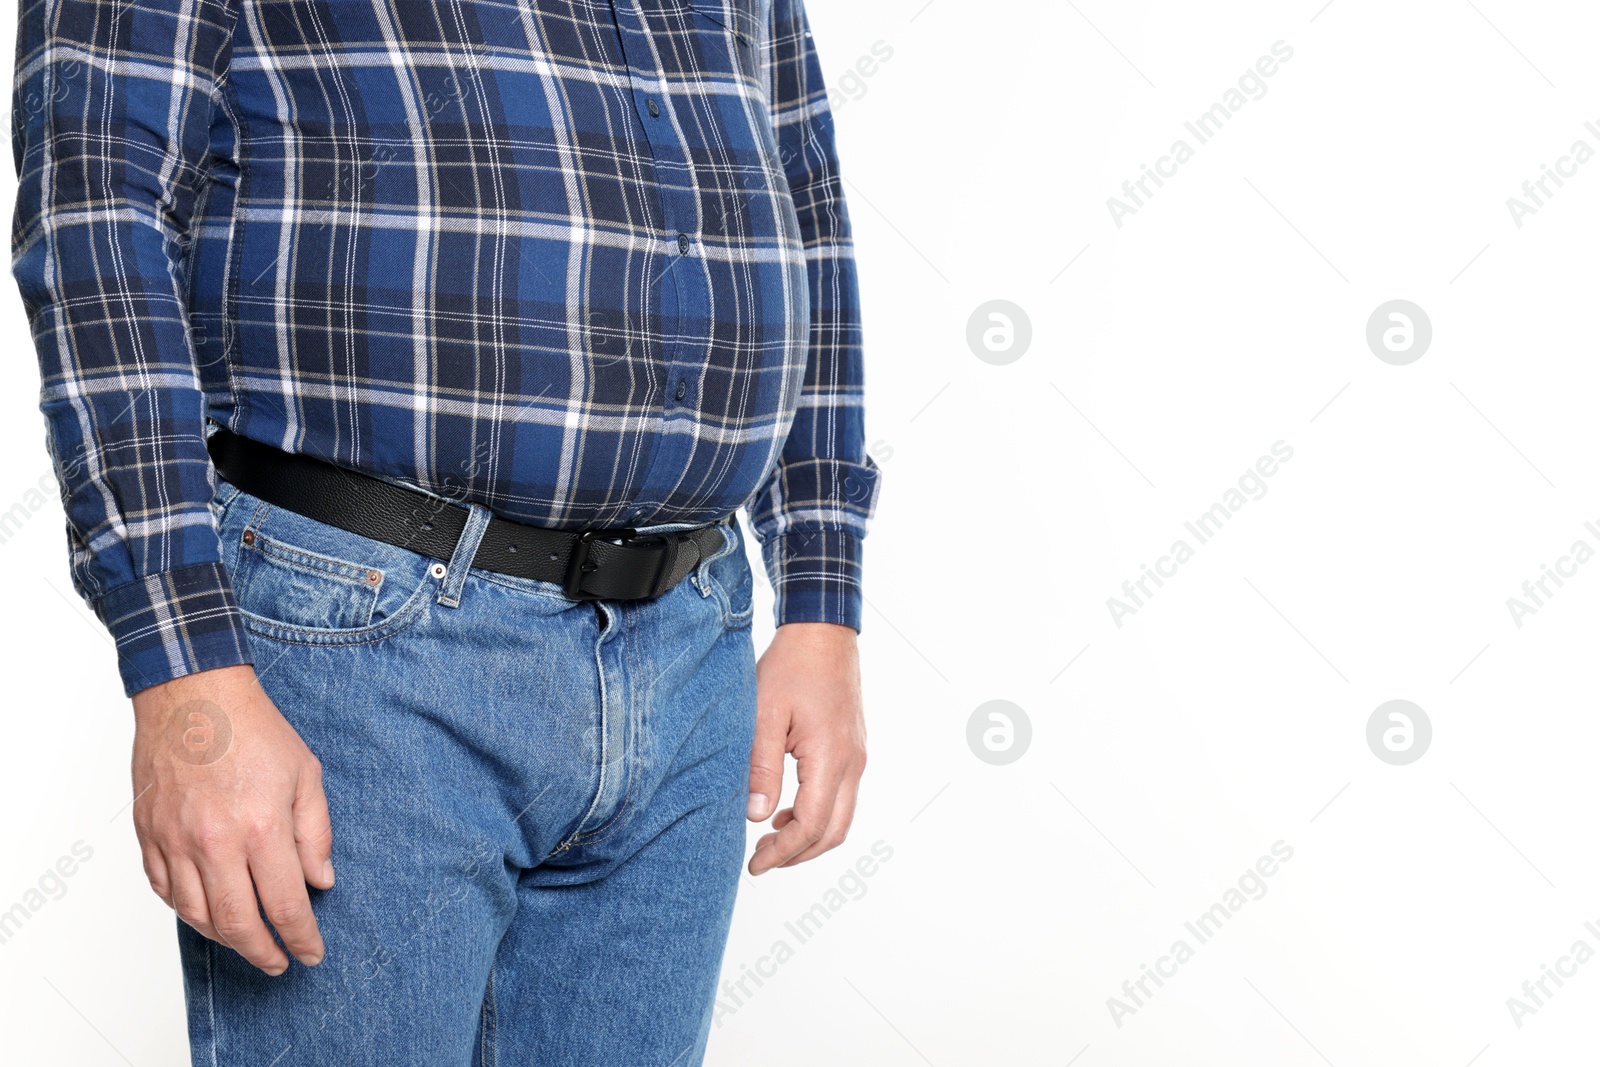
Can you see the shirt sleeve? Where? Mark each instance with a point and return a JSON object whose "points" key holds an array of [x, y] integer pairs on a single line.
{"points": [[812, 513], [112, 105]]}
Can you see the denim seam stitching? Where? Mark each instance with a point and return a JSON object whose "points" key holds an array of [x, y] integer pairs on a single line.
{"points": [[307, 560], [223, 503], [490, 576], [287, 636], [609, 827], [288, 557], [487, 1046], [456, 577], [403, 619], [702, 569], [223, 506], [731, 619], [211, 998], [240, 580], [575, 837], [735, 620]]}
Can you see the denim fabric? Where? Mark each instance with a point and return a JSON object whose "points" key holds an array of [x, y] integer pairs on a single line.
{"points": [[538, 806]]}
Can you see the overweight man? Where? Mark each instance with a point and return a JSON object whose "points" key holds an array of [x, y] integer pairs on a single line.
{"points": [[405, 366]]}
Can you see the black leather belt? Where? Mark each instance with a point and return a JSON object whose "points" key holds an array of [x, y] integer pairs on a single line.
{"points": [[593, 564]]}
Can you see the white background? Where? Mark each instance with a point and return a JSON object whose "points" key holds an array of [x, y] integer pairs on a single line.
{"points": [[1229, 712]]}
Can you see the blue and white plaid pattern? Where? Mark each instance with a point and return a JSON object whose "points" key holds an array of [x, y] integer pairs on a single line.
{"points": [[585, 263]]}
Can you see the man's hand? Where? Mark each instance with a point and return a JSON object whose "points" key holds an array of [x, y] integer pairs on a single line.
{"points": [[808, 703], [226, 792]]}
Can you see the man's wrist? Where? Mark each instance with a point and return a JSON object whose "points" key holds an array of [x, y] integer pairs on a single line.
{"points": [[153, 704], [819, 631]]}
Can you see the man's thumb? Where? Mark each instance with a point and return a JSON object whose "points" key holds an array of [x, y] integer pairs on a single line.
{"points": [[766, 765]]}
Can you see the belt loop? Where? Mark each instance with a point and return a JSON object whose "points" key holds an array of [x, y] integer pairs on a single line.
{"points": [[455, 575]]}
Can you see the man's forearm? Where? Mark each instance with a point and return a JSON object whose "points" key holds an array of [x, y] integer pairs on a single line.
{"points": [[113, 105]]}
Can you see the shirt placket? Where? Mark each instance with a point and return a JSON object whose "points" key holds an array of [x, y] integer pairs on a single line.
{"points": [[681, 287]]}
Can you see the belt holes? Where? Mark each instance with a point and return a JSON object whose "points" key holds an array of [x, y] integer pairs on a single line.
{"points": [[427, 527], [511, 549]]}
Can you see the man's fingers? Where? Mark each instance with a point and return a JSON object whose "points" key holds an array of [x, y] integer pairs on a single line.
{"points": [[189, 895], [155, 869], [235, 917], [252, 808], [766, 763], [813, 810], [844, 812], [779, 821], [313, 830], [282, 887]]}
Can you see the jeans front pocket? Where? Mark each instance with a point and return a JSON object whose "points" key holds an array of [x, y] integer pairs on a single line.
{"points": [[298, 587], [299, 580], [726, 572]]}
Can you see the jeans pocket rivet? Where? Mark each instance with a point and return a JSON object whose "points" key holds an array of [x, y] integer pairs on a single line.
{"points": [[374, 577], [249, 537], [437, 570]]}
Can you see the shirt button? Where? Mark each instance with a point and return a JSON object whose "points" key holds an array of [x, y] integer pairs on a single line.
{"points": [[683, 387], [683, 243], [655, 112]]}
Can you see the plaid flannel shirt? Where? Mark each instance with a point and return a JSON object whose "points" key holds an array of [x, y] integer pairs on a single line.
{"points": [[584, 263]]}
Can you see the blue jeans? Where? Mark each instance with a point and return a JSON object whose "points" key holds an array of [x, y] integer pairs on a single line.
{"points": [[538, 806]]}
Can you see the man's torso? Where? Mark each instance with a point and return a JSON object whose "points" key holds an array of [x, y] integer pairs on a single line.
{"points": [[538, 256]]}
